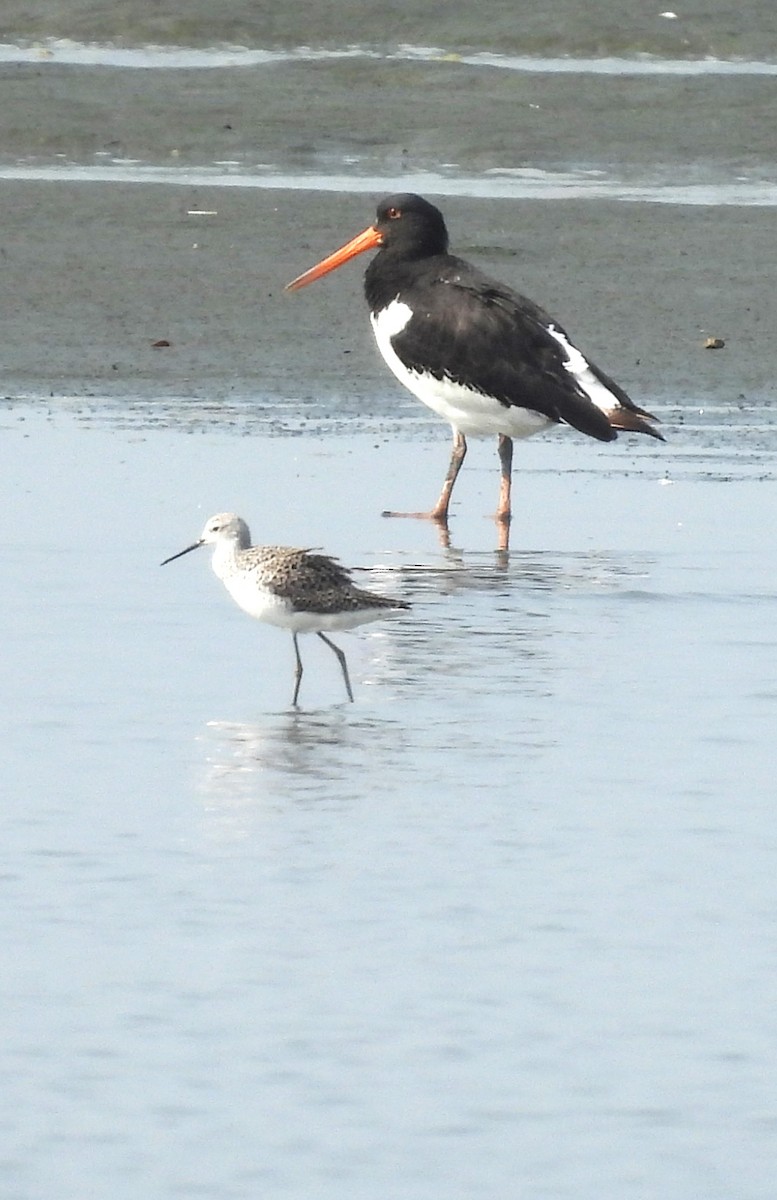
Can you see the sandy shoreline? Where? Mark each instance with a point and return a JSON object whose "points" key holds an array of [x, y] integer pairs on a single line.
{"points": [[94, 274]]}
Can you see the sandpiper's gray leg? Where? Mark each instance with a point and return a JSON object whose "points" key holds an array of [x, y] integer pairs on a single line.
{"points": [[341, 659], [298, 672]]}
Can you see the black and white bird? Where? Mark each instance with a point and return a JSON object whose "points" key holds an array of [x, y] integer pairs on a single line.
{"points": [[483, 357]]}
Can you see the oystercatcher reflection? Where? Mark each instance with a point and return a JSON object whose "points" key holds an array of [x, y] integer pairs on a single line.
{"points": [[486, 359]]}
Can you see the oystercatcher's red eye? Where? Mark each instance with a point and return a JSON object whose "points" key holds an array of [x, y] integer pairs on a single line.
{"points": [[394, 213]]}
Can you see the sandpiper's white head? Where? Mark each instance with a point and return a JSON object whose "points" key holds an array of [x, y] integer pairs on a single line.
{"points": [[226, 530], [226, 527]]}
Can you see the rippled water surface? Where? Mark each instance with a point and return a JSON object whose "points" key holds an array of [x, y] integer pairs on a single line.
{"points": [[503, 926]]}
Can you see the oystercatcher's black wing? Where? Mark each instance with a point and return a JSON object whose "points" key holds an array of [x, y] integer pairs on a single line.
{"points": [[479, 333]]}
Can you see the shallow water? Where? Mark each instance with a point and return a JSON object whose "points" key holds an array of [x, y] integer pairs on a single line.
{"points": [[503, 184], [67, 52], [507, 922]]}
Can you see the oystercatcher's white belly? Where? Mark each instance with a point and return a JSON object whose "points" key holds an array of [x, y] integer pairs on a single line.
{"points": [[471, 412]]}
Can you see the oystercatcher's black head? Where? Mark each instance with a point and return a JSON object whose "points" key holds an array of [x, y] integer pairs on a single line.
{"points": [[411, 226], [406, 225]]}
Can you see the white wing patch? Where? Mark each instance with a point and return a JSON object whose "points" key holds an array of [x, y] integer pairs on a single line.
{"points": [[578, 366], [471, 412]]}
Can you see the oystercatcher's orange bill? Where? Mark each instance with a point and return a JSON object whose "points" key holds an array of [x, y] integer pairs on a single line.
{"points": [[367, 240]]}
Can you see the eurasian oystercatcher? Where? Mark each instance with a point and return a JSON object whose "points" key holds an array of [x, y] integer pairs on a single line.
{"points": [[485, 358]]}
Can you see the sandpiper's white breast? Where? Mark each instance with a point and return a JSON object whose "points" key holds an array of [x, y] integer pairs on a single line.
{"points": [[246, 589], [471, 412]]}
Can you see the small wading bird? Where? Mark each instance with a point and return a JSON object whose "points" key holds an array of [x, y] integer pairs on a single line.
{"points": [[293, 589], [483, 357]]}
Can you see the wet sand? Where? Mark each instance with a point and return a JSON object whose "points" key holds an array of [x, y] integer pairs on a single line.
{"points": [[387, 115], [628, 26], [96, 273]]}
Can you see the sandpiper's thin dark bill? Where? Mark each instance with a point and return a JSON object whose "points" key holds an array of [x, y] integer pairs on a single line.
{"points": [[180, 554]]}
